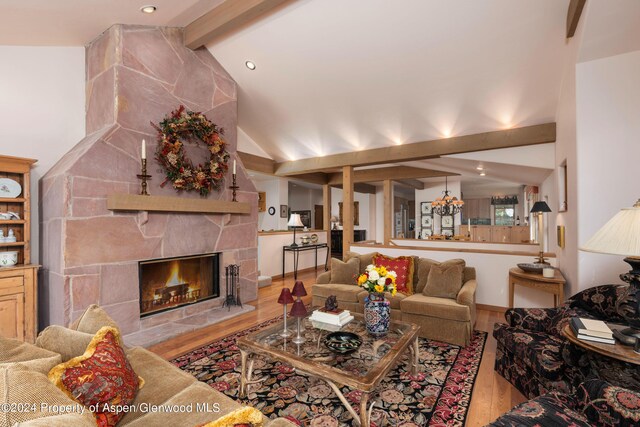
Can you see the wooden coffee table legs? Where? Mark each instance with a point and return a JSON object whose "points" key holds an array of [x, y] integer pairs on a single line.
{"points": [[246, 359], [366, 409]]}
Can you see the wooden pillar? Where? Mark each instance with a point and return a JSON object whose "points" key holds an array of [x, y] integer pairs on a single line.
{"points": [[347, 208], [326, 213], [387, 188]]}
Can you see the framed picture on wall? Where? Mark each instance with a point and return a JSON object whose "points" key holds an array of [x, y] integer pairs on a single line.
{"points": [[284, 211], [427, 222], [447, 232], [447, 221], [425, 208], [356, 213]]}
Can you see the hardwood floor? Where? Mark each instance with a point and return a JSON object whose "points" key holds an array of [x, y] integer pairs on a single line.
{"points": [[492, 394]]}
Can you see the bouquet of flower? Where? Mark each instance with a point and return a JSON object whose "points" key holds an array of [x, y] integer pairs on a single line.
{"points": [[378, 280]]}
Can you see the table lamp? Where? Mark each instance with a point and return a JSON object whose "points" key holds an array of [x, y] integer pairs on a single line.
{"points": [[333, 220], [298, 290], [285, 298], [298, 310], [540, 208], [621, 236], [295, 222]]}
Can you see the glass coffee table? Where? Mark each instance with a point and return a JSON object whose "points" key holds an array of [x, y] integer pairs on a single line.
{"points": [[363, 369]]}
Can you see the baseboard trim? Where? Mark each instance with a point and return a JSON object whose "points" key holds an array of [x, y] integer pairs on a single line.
{"points": [[304, 270], [495, 308]]}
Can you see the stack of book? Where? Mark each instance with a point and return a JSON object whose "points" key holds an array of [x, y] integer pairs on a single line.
{"points": [[330, 320], [591, 330]]}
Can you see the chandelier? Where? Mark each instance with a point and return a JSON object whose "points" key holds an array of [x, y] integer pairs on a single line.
{"points": [[447, 205]]}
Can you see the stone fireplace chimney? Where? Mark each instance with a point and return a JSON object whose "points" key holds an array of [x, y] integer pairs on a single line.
{"points": [[136, 75]]}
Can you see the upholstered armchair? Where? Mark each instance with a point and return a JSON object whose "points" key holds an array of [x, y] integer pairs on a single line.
{"points": [[533, 355], [595, 403]]}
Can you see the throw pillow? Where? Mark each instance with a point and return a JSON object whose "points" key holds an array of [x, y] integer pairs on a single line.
{"points": [[345, 273], [101, 378], [246, 416], [424, 266], [365, 259], [39, 400], [444, 281], [403, 266], [93, 318]]}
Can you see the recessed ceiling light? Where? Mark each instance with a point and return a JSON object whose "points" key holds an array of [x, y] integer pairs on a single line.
{"points": [[148, 9], [250, 65], [480, 168], [483, 173]]}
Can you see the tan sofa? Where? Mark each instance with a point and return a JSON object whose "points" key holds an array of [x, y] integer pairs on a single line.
{"points": [[442, 319], [23, 383]]}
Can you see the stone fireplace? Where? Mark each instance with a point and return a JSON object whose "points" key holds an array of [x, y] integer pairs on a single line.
{"points": [[90, 254], [168, 283]]}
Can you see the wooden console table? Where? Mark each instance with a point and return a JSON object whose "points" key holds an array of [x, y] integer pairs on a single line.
{"points": [[553, 285]]}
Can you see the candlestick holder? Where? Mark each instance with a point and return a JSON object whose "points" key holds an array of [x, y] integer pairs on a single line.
{"points": [[233, 188], [144, 177]]}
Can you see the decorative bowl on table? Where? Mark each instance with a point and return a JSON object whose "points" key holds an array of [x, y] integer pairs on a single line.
{"points": [[536, 267], [342, 342], [8, 258]]}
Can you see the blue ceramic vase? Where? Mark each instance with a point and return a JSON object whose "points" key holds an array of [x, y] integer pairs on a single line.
{"points": [[377, 314]]}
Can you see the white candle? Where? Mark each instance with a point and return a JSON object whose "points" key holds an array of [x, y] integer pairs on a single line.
{"points": [[234, 167], [144, 149]]}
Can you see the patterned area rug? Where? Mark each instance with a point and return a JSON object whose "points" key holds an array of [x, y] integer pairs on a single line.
{"points": [[438, 396]]}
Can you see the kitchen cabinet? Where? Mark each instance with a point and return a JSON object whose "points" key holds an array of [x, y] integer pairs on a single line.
{"points": [[480, 233], [501, 234], [520, 234]]}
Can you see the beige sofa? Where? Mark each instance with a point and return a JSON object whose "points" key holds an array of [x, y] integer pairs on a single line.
{"points": [[23, 383], [442, 319]]}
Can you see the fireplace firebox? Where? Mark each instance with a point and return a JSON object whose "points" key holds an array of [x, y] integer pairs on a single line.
{"points": [[168, 283]]}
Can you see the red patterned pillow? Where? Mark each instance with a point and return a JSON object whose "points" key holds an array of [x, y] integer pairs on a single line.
{"points": [[101, 378], [403, 266]]}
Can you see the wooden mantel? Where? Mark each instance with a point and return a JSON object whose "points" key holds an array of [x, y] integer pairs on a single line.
{"points": [[135, 202]]}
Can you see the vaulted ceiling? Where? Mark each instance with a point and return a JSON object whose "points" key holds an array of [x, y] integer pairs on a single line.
{"points": [[335, 76]]}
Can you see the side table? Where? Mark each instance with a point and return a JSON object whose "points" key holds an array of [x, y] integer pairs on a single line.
{"points": [[617, 351], [553, 285]]}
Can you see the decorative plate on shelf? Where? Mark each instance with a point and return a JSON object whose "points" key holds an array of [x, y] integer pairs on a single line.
{"points": [[9, 188], [342, 342], [314, 238]]}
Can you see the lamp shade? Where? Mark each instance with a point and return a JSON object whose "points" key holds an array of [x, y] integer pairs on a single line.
{"points": [[295, 221], [539, 207], [619, 236], [333, 218], [298, 289], [285, 297], [298, 309]]}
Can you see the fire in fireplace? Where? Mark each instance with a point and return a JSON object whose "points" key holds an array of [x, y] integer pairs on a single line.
{"points": [[168, 283]]}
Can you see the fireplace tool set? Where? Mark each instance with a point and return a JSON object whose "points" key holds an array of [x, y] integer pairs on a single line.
{"points": [[233, 290]]}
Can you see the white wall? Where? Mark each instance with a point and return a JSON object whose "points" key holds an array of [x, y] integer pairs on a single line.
{"points": [[270, 253], [42, 116], [277, 193], [608, 149]]}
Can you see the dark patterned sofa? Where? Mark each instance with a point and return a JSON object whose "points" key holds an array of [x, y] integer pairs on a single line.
{"points": [[533, 355], [595, 403]]}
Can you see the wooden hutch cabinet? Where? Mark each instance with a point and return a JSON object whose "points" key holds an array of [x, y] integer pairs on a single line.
{"points": [[18, 283]]}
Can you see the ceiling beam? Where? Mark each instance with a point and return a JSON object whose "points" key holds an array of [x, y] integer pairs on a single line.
{"points": [[267, 166], [360, 188], [257, 163], [517, 137], [224, 18], [573, 16], [411, 183], [394, 172]]}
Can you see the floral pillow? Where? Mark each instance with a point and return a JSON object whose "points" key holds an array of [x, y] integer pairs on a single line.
{"points": [[403, 266], [101, 379]]}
